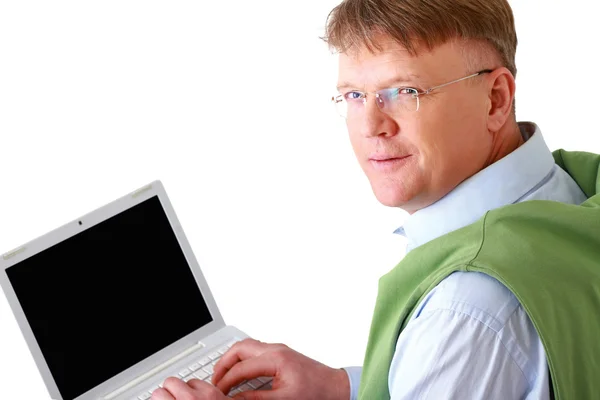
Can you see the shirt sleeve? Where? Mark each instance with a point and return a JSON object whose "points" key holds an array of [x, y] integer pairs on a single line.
{"points": [[446, 354], [354, 378]]}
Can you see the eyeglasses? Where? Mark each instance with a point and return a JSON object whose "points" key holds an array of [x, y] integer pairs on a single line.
{"points": [[392, 101]]}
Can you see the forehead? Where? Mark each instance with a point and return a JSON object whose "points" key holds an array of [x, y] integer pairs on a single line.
{"points": [[394, 64]]}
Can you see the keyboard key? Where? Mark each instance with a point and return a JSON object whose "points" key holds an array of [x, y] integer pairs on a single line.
{"points": [[195, 366], [153, 388], [200, 374], [245, 387], [255, 383], [234, 392], [264, 379], [209, 369], [204, 361], [239, 385], [189, 378], [232, 343], [184, 373], [144, 396], [223, 350], [214, 356]]}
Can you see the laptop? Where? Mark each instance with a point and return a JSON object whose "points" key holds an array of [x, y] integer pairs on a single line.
{"points": [[114, 302]]}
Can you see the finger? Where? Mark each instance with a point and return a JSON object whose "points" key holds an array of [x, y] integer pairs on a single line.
{"points": [[177, 388], [263, 365], [199, 385], [161, 394], [240, 351]]}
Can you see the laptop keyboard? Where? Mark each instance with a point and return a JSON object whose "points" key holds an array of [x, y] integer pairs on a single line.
{"points": [[203, 369]]}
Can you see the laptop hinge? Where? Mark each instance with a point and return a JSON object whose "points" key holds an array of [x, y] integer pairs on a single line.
{"points": [[153, 371]]}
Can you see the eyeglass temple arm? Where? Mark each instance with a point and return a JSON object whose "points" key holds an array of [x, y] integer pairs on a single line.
{"points": [[485, 71]]}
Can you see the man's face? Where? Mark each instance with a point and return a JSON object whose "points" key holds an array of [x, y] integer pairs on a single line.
{"points": [[414, 158]]}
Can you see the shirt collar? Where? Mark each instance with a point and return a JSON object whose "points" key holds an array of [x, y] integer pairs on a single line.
{"points": [[500, 184]]}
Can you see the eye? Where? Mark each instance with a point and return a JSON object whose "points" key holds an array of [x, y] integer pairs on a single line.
{"points": [[350, 96], [408, 90]]}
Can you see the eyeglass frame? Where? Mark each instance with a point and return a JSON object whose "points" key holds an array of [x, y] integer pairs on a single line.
{"points": [[340, 97]]}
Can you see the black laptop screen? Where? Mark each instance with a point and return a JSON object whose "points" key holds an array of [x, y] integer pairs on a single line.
{"points": [[108, 297]]}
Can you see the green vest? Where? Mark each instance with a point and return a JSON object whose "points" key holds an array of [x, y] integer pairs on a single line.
{"points": [[547, 253]]}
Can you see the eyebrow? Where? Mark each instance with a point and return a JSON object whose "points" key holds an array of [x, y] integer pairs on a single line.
{"points": [[410, 77]]}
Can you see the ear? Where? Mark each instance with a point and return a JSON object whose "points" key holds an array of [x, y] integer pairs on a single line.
{"points": [[501, 95]]}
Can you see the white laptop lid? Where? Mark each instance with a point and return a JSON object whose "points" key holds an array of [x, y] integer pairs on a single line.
{"points": [[87, 294]]}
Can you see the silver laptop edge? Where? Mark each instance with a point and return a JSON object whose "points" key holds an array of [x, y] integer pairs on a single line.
{"points": [[124, 381]]}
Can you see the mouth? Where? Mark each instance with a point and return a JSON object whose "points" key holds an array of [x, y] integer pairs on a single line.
{"points": [[386, 164]]}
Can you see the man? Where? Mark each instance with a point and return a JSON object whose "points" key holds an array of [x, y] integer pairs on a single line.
{"points": [[427, 89]]}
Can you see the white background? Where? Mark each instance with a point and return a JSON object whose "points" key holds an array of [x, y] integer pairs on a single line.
{"points": [[228, 104]]}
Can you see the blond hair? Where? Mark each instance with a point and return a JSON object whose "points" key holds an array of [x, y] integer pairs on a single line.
{"points": [[356, 23]]}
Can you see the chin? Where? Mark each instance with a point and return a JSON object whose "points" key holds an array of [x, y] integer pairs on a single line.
{"points": [[399, 188], [392, 197]]}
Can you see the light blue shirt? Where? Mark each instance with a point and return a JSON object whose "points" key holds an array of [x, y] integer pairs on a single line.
{"points": [[470, 337]]}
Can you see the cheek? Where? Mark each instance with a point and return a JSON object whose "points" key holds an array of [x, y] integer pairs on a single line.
{"points": [[451, 143], [423, 135]]}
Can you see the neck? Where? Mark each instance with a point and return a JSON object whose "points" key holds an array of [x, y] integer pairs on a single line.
{"points": [[505, 141]]}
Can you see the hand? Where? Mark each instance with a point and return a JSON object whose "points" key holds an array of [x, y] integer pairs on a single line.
{"points": [[295, 376], [195, 389]]}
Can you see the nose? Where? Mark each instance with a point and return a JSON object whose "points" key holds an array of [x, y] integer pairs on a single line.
{"points": [[373, 122]]}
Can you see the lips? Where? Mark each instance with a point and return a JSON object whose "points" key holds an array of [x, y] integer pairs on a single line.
{"points": [[385, 163], [380, 158]]}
